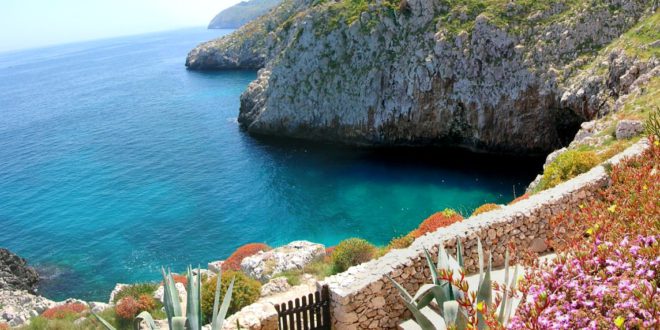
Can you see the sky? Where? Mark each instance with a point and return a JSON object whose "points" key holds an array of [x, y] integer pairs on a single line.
{"points": [[37, 23]]}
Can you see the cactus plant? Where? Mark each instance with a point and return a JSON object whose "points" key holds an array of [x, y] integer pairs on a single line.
{"points": [[457, 307], [192, 320]]}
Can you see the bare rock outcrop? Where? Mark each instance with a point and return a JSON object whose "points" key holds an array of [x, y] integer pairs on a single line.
{"points": [[15, 274]]}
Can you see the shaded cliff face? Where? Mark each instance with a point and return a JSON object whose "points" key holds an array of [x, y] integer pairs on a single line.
{"points": [[241, 13], [500, 76]]}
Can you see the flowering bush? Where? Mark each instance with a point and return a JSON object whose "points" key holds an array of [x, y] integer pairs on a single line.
{"points": [[63, 311], [596, 283], [437, 220], [129, 307], [485, 208], [629, 206], [610, 286], [4, 326], [234, 260]]}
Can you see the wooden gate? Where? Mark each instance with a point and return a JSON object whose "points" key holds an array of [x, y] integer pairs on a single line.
{"points": [[311, 312]]}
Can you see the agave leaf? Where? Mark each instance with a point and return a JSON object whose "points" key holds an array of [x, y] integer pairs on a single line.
{"points": [[420, 318], [500, 318], [199, 295], [450, 312], [105, 323], [461, 320], [402, 291], [144, 316], [224, 307], [443, 261], [459, 252], [192, 302], [170, 298], [513, 286], [480, 252], [427, 293], [429, 262], [484, 295], [178, 323], [216, 299]]}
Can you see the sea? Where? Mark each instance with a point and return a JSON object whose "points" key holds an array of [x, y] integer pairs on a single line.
{"points": [[116, 161]]}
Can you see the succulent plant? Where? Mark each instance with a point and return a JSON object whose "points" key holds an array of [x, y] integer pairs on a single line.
{"points": [[455, 304], [192, 320]]}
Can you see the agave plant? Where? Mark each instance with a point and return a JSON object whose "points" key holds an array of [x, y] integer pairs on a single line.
{"points": [[456, 305], [192, 320]]}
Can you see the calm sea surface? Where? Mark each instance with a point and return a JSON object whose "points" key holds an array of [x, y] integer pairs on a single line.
{"points": [[115, 160]]}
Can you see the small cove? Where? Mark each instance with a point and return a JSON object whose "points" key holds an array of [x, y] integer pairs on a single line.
{"points": [[115, 160]]}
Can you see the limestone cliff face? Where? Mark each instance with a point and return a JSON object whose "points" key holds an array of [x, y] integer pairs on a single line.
{"points": [[499, 78]]}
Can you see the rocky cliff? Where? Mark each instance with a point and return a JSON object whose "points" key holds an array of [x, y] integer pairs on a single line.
{"points": [[241, 13], [15, 274], [513, 76]]}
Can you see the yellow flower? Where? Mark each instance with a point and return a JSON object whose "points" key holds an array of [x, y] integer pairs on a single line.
{"points": [[656, 142], [645, 187], [581, 206], [619, 321], [612, 208], [480, 306], [590, 231]]}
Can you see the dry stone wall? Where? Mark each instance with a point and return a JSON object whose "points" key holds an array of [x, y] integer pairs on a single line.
{"points": [[362, 298]]}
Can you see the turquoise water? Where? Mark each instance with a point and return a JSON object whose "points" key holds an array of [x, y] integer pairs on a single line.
{"points": [[115, 160]]}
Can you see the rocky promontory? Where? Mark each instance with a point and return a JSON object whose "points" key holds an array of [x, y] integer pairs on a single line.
{"points": [[15, 274], [503, 76]]}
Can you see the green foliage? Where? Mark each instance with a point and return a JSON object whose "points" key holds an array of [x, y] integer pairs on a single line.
{"points": [[246, 291], [652, 123], [351, 252], [135, 291], [566, 166]]}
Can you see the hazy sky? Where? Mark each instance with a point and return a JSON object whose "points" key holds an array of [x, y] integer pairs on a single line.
{"points": [[35, 23]]}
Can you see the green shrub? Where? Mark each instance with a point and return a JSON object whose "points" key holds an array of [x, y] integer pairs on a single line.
{"points": [[246, 291], [652, 123], [135, 291], [351, 252], [566, 166]]}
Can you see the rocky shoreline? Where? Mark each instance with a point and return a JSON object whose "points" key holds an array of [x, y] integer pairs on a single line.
{"points": [[18, 306]]}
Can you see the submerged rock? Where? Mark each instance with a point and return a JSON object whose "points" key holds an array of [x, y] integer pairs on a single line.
{"points": [[295, 255], [15, 274]]}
